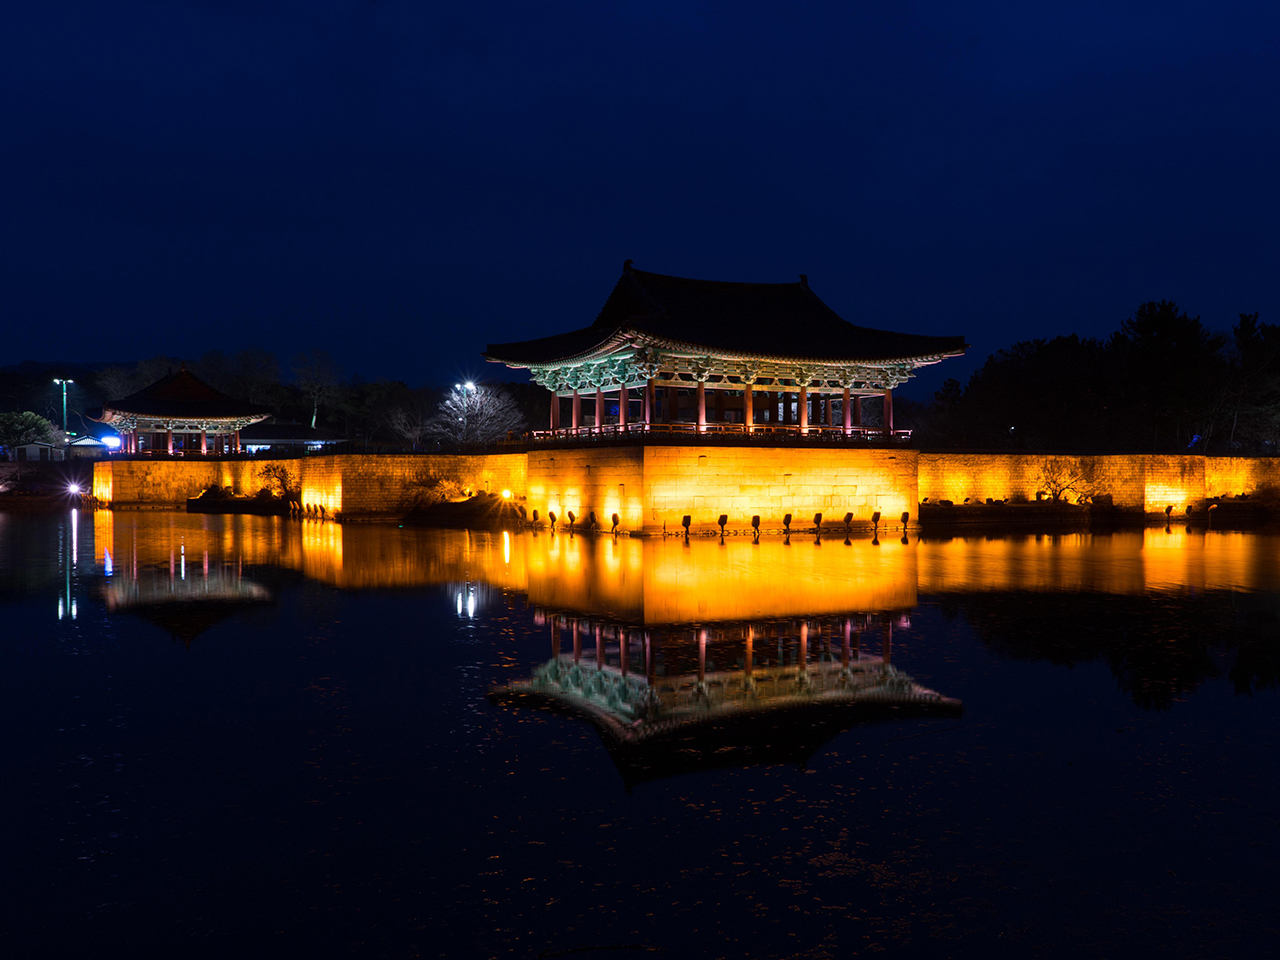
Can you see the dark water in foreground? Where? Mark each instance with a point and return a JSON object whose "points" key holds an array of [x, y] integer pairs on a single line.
{"points": [[238, 736]]}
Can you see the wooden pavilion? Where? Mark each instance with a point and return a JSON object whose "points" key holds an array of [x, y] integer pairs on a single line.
{"points": [[180, 413], [774, 358]]}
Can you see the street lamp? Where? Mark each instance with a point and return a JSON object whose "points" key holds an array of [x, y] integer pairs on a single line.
{"points": [[64, 401]]}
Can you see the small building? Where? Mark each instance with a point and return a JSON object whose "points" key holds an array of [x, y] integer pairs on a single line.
{"points": [[180, 414], [287, 438], [89, 448], [674, 355], [36, 450]]}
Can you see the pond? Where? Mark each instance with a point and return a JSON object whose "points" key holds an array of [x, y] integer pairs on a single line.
{"points": [[229, 735]]}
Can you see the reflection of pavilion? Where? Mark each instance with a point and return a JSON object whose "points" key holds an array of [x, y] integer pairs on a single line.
{"points": [[186, 600], [669, 701]]}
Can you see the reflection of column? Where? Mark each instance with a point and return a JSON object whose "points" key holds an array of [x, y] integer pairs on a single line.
{"points": [[599, 648], [577, 643], [648, 656], [702, 655], [624, 650], [804, 645], [888, 639], [751, 641], [555, 638], [844, 647]]}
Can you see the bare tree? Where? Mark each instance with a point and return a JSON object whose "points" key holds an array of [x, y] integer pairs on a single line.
{"points": [[317, 378], [115, 382], [475, 415], [1060, 476], [411, 419], [256, 374]]}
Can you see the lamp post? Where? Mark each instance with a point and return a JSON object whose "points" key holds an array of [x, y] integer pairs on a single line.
{"points": [[64, 401]]}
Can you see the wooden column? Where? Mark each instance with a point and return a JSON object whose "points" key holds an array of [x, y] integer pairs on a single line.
{"points": [[888, 413], [204, 441], [848, 413], [702, 407], [168, 441], [648, 402], [623, 402], [236, 435], [599, 409], [826, 410], [555, 410], [577, 409], [748, 410], [804, 408], [857, 411]]}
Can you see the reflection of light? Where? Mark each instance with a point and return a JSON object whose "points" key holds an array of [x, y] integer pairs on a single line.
{"points": [[506, 494], [471, 604], [506, 546], [459, 604], [184, 561], [108, 567], [75, 535]]}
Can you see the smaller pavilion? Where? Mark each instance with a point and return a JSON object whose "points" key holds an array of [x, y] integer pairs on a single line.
{"points": [[674, 355], [180, 413]]}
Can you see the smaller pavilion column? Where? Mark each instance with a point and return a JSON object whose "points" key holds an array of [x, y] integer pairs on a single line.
{"points": [[702, 407], [168, 440], [848, 413], [236, 435], [888, 413], [648, 402], [555, 411], [599, 409], [804, 408], [204, 441], [577, 409], [748, 411], [623, 401]]}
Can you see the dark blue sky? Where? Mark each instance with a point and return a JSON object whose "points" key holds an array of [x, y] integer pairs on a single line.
{"points": [[403, 182]]}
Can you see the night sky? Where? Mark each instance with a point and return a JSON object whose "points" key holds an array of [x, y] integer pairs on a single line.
{"points": [[402, 182]]}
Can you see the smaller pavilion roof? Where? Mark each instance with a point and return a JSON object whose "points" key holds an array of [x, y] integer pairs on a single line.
{"points": [[766, 320], [182, 396]]}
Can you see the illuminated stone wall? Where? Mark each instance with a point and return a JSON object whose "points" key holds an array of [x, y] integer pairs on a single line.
{"points": [[604, 480], [350, 485], [1138, 482]]}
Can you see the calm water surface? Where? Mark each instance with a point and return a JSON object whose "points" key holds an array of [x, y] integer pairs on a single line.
{"points": [[243, 736]]}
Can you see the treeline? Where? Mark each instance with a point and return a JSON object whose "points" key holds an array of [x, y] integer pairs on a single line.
{"points": [[370, 413], [1162, 383]]}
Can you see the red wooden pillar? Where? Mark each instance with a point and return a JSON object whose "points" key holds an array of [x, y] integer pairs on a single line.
{"points": [[237, 441], [204, 441], [888, 413], [577, 409], [555, 410], [599, 409], [168, 441], [623, 402], [804, 408], [748, 410], [848, 413], [702, 407], [648, 402]]}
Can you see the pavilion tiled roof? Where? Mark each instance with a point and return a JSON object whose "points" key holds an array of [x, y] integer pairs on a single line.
{"points": [[183, 396], [767, 320]]}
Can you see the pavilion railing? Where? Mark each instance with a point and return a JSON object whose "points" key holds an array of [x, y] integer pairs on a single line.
{"points": [[762, 432]]}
